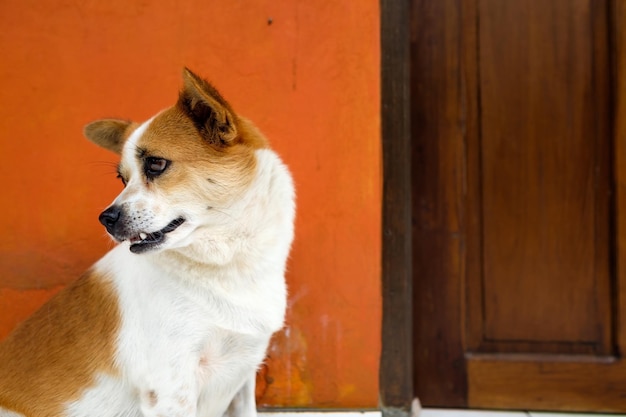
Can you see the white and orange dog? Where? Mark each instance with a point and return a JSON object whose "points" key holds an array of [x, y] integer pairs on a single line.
{"points": [[175, 320]]}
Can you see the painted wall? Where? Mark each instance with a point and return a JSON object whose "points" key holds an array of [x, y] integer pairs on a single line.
{"points": [[307, 72]]}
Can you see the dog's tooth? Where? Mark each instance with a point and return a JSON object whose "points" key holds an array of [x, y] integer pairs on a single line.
{"points": [[143, 236]]}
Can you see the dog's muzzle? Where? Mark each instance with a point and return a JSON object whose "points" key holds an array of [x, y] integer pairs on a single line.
{"points": [[140, 241]]}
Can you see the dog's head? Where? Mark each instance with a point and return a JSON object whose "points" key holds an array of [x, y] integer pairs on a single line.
{"points": [[181, 169]]}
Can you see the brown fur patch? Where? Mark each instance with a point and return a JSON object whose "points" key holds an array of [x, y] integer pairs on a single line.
{"points": [[173, 136], [53, 357]]}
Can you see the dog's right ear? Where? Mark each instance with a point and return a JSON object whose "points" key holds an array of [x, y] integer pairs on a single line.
{"points": [[108, 133], [207, 109]]}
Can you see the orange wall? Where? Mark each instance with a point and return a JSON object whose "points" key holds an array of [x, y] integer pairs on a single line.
{"points": [[310, 80]]}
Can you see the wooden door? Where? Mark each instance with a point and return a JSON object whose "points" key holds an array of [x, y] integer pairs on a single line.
{"points": [[519, 185]]}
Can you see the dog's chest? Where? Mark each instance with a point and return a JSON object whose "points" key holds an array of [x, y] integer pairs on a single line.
{"points": [[210, 337], [207, 330]]}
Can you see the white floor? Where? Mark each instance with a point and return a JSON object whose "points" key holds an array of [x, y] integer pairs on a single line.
{"points": [[430, 412], [481, 413]]}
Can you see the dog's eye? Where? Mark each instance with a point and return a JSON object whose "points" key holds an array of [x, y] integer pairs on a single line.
{"points": [[154, 167]]}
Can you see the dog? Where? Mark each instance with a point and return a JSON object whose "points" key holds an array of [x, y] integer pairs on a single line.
{"points": [[175, 320]]}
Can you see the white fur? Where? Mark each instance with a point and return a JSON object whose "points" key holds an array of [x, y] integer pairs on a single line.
{"points": [[197, 315], [6, 413]]}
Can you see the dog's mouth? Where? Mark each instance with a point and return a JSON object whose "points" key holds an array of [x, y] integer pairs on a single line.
{"points": [[143, 242]]}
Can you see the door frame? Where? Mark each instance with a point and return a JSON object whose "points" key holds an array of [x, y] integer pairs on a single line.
{"points": [[396, 364]]}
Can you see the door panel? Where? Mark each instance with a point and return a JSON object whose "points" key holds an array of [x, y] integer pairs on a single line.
{"points": [[518, 122], [543, 147], [537, 382]]}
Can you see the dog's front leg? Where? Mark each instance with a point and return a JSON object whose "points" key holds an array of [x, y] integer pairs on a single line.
{"points": [[243, 403]]}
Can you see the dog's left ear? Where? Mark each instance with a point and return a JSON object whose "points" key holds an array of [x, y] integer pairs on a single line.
{"points": [[108, 133], [210, 113]]}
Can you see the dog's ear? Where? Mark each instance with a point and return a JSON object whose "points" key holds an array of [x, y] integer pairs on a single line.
{"points": [[210, 113], [108, 133]]}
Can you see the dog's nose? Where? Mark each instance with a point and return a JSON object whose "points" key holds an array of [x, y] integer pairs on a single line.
{"points": [[109, 217]]}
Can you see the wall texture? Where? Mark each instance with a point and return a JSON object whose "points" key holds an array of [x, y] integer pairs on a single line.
{"points": [[307, 72]]}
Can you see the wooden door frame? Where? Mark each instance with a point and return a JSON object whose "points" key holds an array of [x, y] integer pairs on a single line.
{"points": [[396, 364], [397, 378]]}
